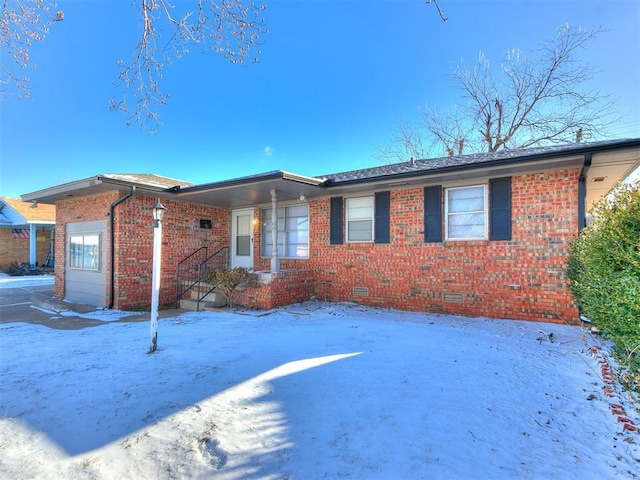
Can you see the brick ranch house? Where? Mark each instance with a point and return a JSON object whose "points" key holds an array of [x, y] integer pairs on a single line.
{"points": [[26, 232], [475, 235]]}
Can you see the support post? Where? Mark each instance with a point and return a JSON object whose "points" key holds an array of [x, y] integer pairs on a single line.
{"points": [[32, 245], [158, 214], [275, 259]]}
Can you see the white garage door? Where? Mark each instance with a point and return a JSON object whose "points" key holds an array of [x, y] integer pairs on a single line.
{"points": [[86, 263]]}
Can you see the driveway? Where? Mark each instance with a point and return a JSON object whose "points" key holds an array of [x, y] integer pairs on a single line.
{"points": [[30, 299]]}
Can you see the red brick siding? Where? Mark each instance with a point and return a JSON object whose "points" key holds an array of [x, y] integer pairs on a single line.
{"points": [[133, 242], [84, 209], [17, 249], [277, 289], [521, 279], [181, 236]]}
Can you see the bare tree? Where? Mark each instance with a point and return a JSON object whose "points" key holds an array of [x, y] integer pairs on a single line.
{"points": [[231, 28], [524, 103], [22, 23]]}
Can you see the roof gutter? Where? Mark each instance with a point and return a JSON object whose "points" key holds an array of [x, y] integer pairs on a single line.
{"points": [[582, 191], [113, 245]]}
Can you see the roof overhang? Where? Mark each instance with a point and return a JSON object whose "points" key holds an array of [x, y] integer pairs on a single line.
{"points": [[604, 170], [458, 173], [253, 190], [92, 186]]}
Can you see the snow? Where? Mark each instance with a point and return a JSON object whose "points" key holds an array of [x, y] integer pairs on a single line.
{"points": [[315, 390], [26, 281]]}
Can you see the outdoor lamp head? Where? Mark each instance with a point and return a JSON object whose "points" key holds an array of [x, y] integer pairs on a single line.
{"points": [[158, 211]]}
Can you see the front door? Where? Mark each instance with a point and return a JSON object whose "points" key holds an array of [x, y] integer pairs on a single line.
{"points": [[242, 238]]}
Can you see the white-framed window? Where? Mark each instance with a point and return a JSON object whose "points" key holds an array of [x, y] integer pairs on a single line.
{"points": [[84, 252], [293, 231], [359, 215], [466, 213]]}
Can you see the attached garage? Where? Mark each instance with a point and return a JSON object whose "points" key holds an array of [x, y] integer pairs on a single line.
{"points": [[86, 263]]}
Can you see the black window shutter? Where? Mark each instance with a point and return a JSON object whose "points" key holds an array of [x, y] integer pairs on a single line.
{"points": [[500, 208], [382, 206], [433, 214], [335, 221]]}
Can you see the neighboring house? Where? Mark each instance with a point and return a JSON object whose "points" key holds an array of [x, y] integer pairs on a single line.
{"points": [[26, 232], [476, 235]]}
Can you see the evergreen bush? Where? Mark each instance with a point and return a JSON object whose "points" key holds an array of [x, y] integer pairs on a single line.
{"points": [[604, 274]]}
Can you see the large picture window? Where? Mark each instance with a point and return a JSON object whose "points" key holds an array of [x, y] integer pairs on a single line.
{"points": [[84, 252], [466, 213], [293, 232], [360, 219]]}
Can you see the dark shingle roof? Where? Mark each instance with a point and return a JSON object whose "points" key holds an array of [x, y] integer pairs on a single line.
{"points": [[476, 160]]}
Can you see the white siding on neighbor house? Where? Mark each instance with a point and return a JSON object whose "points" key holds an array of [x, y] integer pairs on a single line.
{"points": [[86, 286]]}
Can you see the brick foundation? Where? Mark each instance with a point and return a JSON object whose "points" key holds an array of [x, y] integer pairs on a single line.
{"points": [[278, 289]]}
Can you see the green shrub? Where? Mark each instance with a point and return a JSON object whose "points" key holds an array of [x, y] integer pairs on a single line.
{"points": [[229, 281], [604, 274]]}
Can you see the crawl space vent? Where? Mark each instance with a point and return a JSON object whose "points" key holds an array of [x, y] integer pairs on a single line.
{"points": [[452, 297], [362, 291]]}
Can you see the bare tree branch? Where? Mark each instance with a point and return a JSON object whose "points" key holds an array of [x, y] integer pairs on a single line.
{"points": [[440, 12], [408, 142], [229, 27], [22, 23], [232, 28], [524, 102]]}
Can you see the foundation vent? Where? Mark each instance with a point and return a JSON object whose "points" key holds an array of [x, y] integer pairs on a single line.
{"points": [[361, 291], [452, 297]]}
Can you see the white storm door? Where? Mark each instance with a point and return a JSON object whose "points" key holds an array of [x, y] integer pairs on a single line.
{"points": [[242, 238]]}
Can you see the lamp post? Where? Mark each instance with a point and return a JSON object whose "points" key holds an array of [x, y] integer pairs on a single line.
{"points": [[158, 215]]}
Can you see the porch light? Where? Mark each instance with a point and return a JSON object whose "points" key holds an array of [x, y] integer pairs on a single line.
{"points": [[158, 212]]}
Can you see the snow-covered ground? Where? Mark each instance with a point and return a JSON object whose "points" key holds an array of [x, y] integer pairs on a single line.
{"points": [[310, 391]]}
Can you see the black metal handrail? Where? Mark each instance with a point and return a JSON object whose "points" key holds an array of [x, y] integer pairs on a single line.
{"points": [[220, 259], [189, 271]]}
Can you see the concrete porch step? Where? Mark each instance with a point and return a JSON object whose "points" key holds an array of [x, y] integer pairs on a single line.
{"points": [[211, 300]]}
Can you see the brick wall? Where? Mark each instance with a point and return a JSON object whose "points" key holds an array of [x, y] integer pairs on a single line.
{"points": [[521, 279], [277, 289], [17, 249], [133, 242], [79, 210]]}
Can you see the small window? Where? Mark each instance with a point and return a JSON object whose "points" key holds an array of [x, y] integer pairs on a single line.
{"points": [[293, 232], [205, 224], [360, 219], [84, 252], [466, 213]]}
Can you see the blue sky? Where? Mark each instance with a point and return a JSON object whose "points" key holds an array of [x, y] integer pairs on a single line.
{"points": [[333, 79]]}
